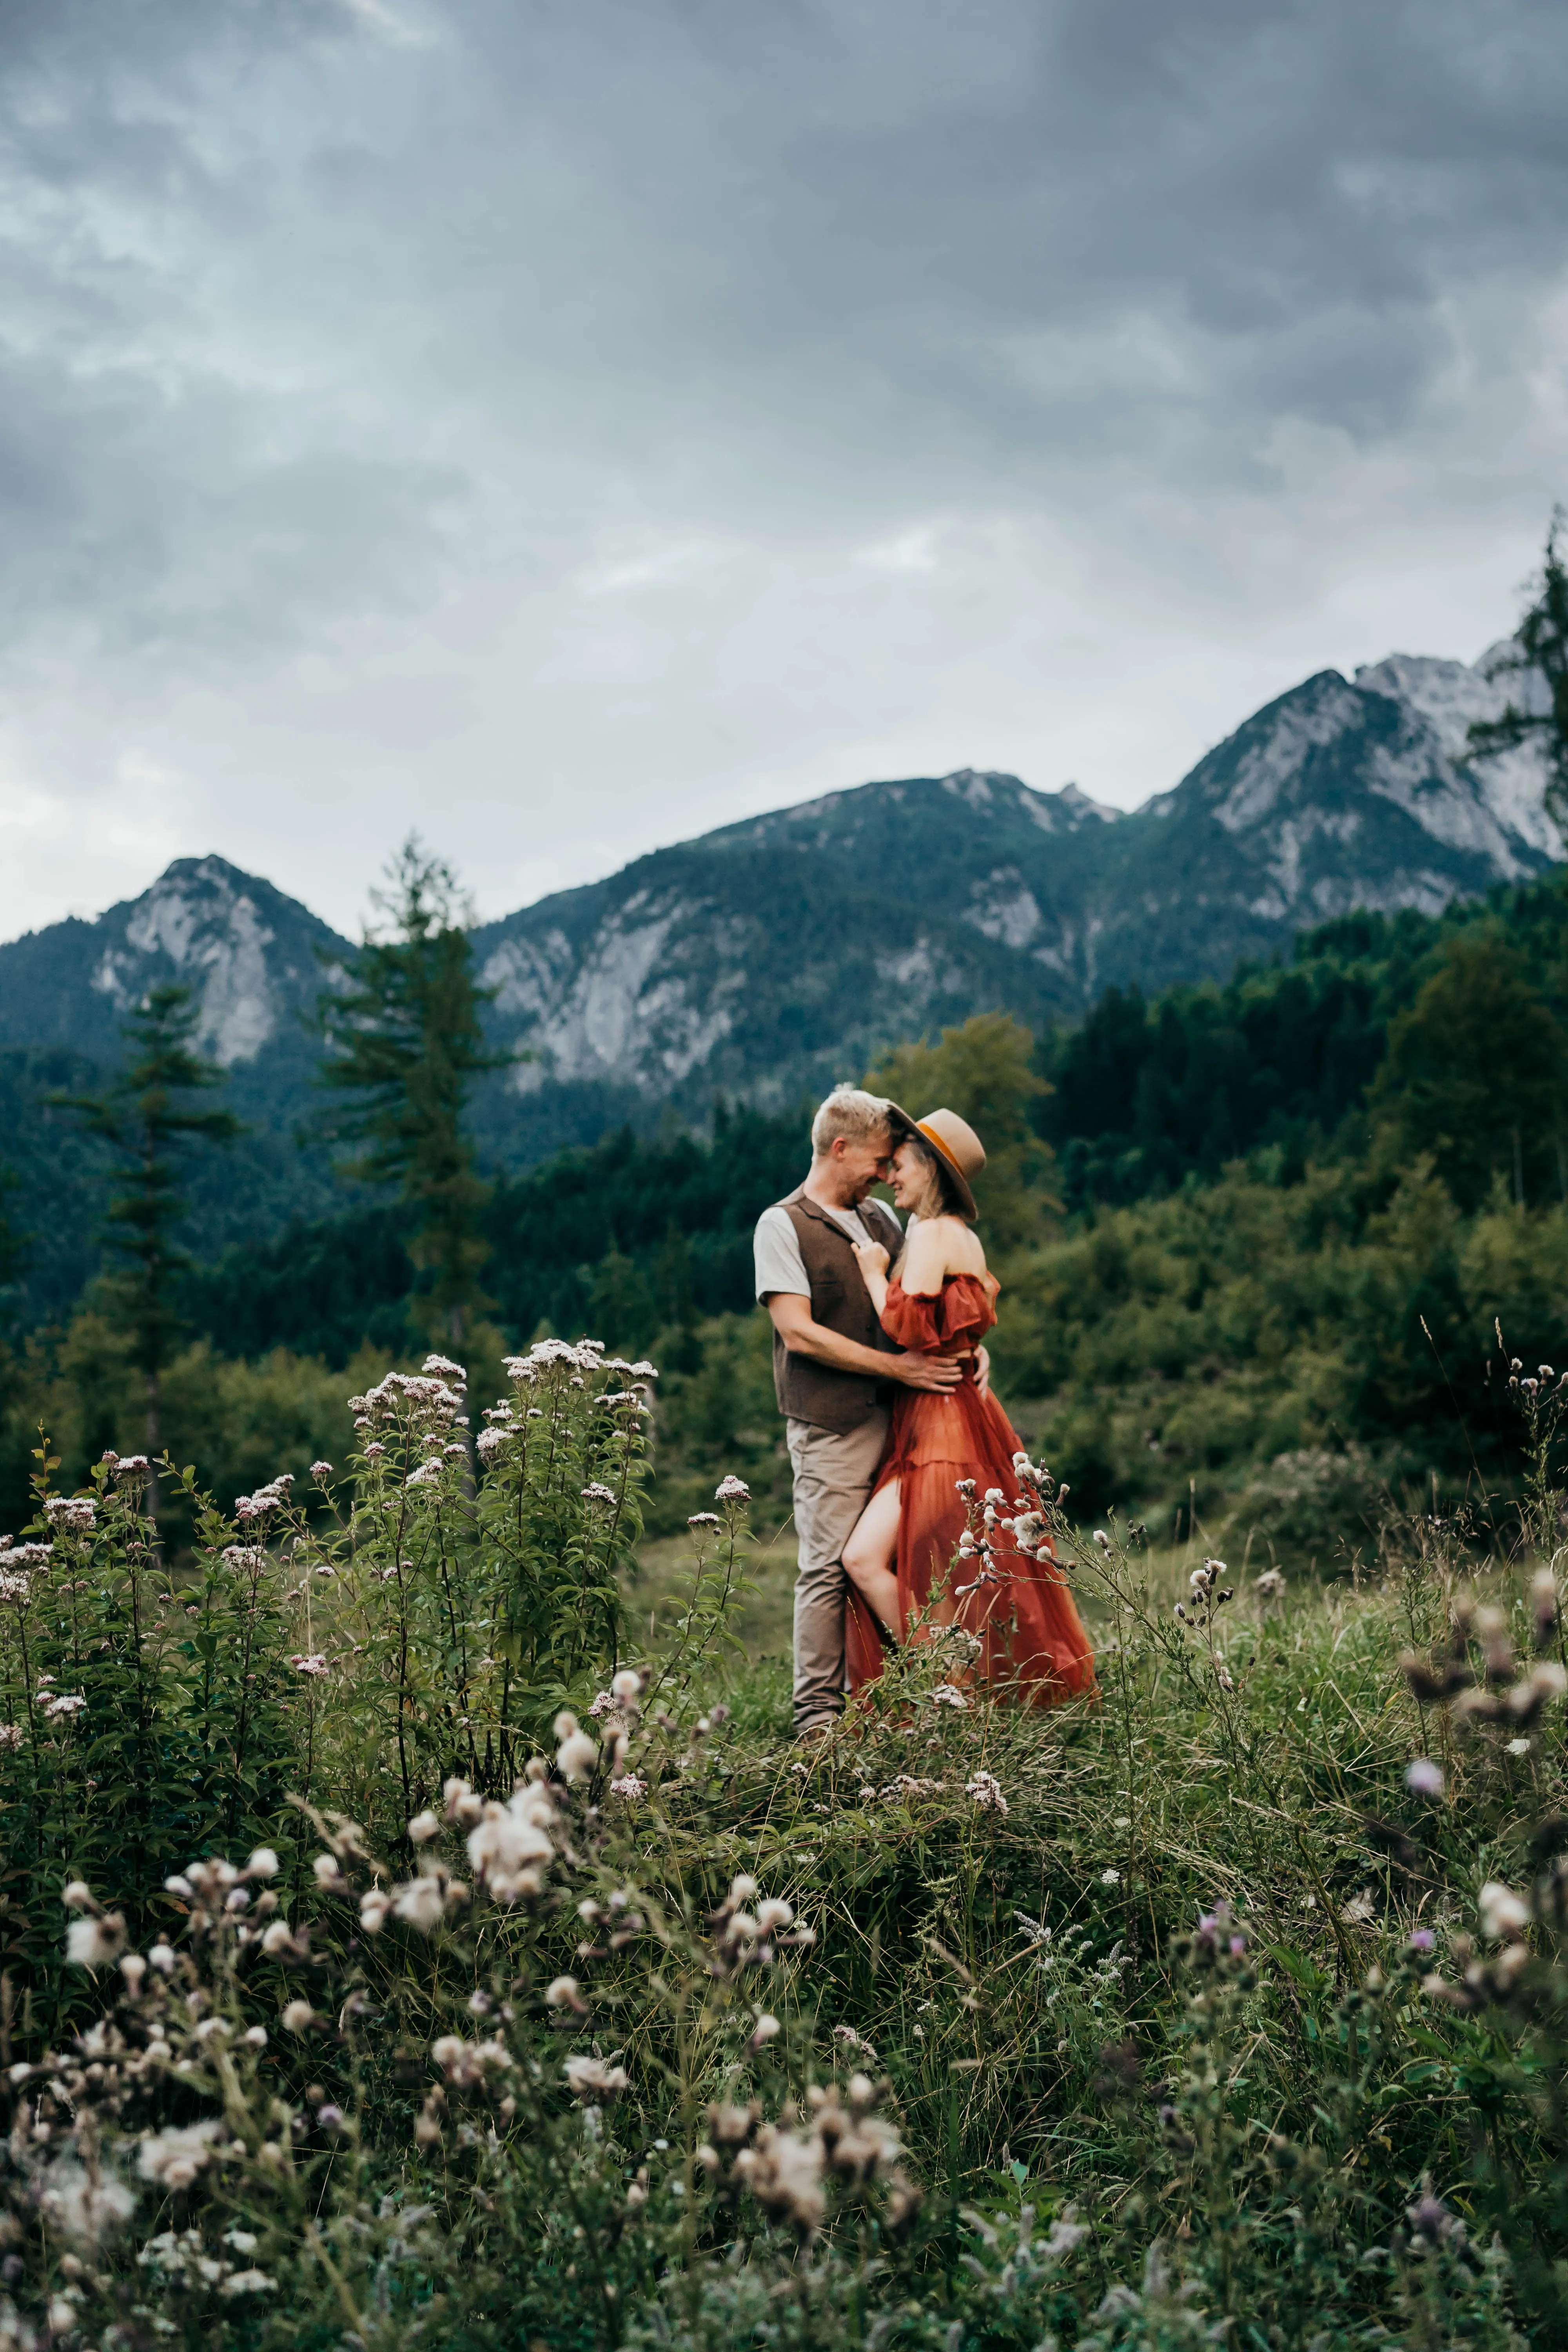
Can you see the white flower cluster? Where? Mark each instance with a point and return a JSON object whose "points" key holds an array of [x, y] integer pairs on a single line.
{"points": [[786, 2169], [126, 1465], [986, 1791], [273, 1497], [70, 1514], [415, 1398]]}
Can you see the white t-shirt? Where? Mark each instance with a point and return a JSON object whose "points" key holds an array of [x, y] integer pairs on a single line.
{"points": [[776, 1248]]}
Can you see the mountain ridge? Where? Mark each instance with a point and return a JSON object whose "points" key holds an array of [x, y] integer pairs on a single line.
{"points": [[775, 954]]}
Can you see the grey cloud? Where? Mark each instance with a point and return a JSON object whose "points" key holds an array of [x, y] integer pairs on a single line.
{"points": [[670, 398]]}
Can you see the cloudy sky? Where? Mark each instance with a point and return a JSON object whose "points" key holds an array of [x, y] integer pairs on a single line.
{"points": [[567, 425]]}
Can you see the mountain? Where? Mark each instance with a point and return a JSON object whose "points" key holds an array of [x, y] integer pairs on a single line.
{"points": [[771, 957], [256, 962], [254, 958]]}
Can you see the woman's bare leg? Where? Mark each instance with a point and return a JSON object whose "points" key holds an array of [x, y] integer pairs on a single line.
{"points": [[868, 1558]]}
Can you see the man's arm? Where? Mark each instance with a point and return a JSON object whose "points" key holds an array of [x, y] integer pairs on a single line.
{"points": [[802, 1335]]}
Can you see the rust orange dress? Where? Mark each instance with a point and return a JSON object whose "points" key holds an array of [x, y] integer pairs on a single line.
{"points": [[1032, 1633]]}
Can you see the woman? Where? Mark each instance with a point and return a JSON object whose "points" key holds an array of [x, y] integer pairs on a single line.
{"points": [[941, 1298]]}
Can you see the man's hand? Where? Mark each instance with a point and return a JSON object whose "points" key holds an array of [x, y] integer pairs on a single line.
{"points": [[924, 1371], [983, 1370]]}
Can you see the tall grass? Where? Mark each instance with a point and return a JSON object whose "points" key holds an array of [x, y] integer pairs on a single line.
{"points": [[438, 1971]]}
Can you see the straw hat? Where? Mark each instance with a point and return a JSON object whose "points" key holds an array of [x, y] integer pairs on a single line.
{"points": [[955, 1143]]}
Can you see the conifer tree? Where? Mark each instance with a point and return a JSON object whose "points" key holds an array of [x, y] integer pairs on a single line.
{"points": [[14, 1246], [404, 1043], [148, 1118], [1540, 652]]}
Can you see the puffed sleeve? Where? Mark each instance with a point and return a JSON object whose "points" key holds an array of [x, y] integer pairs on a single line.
{"points": [[915, 1323]]}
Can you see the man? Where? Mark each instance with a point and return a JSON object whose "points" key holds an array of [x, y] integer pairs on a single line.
{"points": [[832, 1365]]}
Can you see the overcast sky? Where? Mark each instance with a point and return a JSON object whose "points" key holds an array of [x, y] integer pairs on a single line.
{"points": [[565, 425]]}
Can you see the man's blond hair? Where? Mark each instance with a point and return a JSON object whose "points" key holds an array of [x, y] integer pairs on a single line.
{"points": [[850, 1111]]}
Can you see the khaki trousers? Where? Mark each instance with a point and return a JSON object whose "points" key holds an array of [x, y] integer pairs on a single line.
{"points": [[834, 1476]]}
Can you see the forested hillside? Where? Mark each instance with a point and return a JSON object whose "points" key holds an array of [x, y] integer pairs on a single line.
{"points": [[1255, 1239]]}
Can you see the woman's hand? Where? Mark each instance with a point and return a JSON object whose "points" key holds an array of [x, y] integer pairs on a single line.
{"points": [[873, 1261]]}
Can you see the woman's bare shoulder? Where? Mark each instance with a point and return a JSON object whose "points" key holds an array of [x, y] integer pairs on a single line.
{"points": [[943, 1246]]}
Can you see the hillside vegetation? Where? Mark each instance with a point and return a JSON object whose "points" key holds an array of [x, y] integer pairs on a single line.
{"points": [[397, 1952], [1255, 1241]]}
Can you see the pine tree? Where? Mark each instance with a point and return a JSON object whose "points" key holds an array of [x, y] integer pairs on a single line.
{"points": [[14, 1248], [147, 1117], [404, 1043], [1540, 652]]}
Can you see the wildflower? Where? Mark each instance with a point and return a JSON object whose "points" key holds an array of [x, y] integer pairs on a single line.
{"points": [[246, 2283], [945, 1694], [1102, 1539], [84, 2207], [94, 1943], [591, 2078], [644, 1372], [73, 1513], [263, 1863], [423, 1827], [1430, 2219], [578, 1754], [1422, 1939], [1424, 1777], [315, 1665], [162, 1957], [173, 2158], [422, 1901], [328, 1872], [459, 1801], [508, 1842], [986, 1791], [1110, 1878], [130, 1465], [64, 1704], [1517, 1747], [598, 1494], [765, 2029], [1502, 1914], [426, 1476], [1064, 2234], [373, 1906], [784, 2173], [298, 2017], [321, 1469], [704, 1519], [564, 1992], [1270, 1584], [1543, 1604], [631, 1786], [731, 1490], [445, 1370]]}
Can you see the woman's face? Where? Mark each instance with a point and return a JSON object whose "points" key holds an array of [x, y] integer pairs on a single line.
{"points": [[910, 1171]]}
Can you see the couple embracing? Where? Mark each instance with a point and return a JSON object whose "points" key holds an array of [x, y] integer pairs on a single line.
{"points": [[883, 1382]]}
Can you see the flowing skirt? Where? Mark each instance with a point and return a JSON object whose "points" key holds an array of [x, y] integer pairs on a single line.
{"points": [[1032, 1637]]}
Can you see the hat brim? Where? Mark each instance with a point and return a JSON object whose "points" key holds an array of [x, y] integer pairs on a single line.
{"points": [[902, 1125]]}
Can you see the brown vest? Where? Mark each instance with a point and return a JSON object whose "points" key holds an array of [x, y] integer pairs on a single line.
{"points": [[807, 1390]]}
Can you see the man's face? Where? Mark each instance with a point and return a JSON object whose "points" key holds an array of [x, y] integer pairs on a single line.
{"points": [[863, 1160]]}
